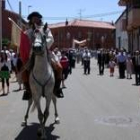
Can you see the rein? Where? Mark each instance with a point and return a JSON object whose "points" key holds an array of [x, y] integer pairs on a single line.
{"points": [[33, 75], [25, 67], [42, 85]]}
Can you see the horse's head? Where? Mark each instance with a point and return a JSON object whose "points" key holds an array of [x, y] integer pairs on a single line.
{"points": [[39, 42]]}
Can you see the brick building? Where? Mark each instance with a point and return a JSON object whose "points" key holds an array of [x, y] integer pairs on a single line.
{"points": [[98, 33], [6, 24]]}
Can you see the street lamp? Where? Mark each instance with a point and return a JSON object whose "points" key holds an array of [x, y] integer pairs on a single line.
{"points": [[29, 6]]}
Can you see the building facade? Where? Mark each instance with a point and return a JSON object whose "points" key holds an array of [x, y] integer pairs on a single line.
{"points": [[121, 33], [132, 23], [6, 23], [97, 33]]}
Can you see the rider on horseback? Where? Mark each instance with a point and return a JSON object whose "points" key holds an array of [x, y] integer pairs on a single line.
{"points": [[35, 21]]}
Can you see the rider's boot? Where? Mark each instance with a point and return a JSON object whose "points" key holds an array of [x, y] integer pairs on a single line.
{"points": [[27, 93], [57, 90]]}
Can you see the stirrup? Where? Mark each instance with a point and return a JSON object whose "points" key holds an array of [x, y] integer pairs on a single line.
{"points": [[59, 93]]}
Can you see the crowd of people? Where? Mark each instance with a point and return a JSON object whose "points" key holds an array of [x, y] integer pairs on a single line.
{"points": [[126, 64], [9, 64]]}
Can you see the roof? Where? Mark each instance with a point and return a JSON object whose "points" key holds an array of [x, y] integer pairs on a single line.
{"points": [[124, 12], [123, 2], [14, 15], [84, 23]]}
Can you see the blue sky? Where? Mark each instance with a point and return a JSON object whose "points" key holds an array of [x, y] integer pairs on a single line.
{"points": [[55, 11]]}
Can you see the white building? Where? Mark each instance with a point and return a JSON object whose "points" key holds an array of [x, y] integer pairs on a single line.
{"points": [[121, 33]]}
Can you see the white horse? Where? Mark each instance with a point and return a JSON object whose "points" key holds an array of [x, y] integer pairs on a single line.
{"points": [[41, 82]]}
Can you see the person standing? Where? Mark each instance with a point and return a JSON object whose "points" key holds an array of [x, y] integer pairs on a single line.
{"points": [[19, 65], [65, 65], [101, 62], [129, 67], [121, 61], [4, 72], [136, 63], [86, 59], [112, 67], [70, 57]]}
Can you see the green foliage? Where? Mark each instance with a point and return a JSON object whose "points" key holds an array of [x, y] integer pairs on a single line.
{"points": [[5, 42]]}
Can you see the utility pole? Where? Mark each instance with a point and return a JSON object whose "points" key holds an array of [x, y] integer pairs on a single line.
{"points": [[29, 6], [80, 13], [20, 19], [0, 25]]}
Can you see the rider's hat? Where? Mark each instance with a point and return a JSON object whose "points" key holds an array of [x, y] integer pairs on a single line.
{"points": [[34, 14]]}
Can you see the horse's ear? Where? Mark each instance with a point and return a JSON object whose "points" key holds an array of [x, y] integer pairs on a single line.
{"points": [[45, 26]]}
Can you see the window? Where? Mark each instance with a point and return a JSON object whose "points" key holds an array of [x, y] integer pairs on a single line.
{"points": [[79, 35]]}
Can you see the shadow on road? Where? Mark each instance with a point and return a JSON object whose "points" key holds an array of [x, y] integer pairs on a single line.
{"points": [[30, 132], [1, 95], [135, 85], [17, 90]]}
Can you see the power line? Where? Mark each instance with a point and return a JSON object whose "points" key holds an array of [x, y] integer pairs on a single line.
{"points": [[103, 14], [80, 13], [84, 17], [10, 5]]}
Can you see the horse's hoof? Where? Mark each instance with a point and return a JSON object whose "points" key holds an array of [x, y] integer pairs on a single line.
{"points": [[57, 120], [23, 124]]}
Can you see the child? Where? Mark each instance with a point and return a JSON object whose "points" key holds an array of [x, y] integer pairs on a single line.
{"points": [[112, 67]]}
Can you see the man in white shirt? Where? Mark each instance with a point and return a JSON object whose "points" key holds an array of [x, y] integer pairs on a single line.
{"points": [[86, 59], [121, 60]]}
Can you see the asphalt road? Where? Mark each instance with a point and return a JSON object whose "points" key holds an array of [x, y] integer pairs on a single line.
{"points": [[94, 108]]}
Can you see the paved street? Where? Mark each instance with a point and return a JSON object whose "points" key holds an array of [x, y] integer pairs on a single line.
{"points": [[94, 108]]}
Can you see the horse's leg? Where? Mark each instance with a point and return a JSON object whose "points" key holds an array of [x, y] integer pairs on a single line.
{"points": [[27, 112], [46, 112], [54, 99], [41, 131]]}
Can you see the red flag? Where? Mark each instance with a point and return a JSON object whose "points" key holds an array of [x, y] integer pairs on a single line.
{"points": [[21, 40], [25, 47]]}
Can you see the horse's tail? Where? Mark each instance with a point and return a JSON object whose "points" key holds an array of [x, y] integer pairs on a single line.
{"points": [[33, 107]]}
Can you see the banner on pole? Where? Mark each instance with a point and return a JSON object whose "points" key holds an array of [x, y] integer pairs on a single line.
{"points": [[21, 40], [80, 43]]}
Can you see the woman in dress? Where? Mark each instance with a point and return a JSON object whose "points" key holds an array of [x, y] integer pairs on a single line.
{"points": [[4, 72]]}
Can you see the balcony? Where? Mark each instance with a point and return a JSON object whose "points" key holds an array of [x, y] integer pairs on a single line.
{"points": [[133, 18]]}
